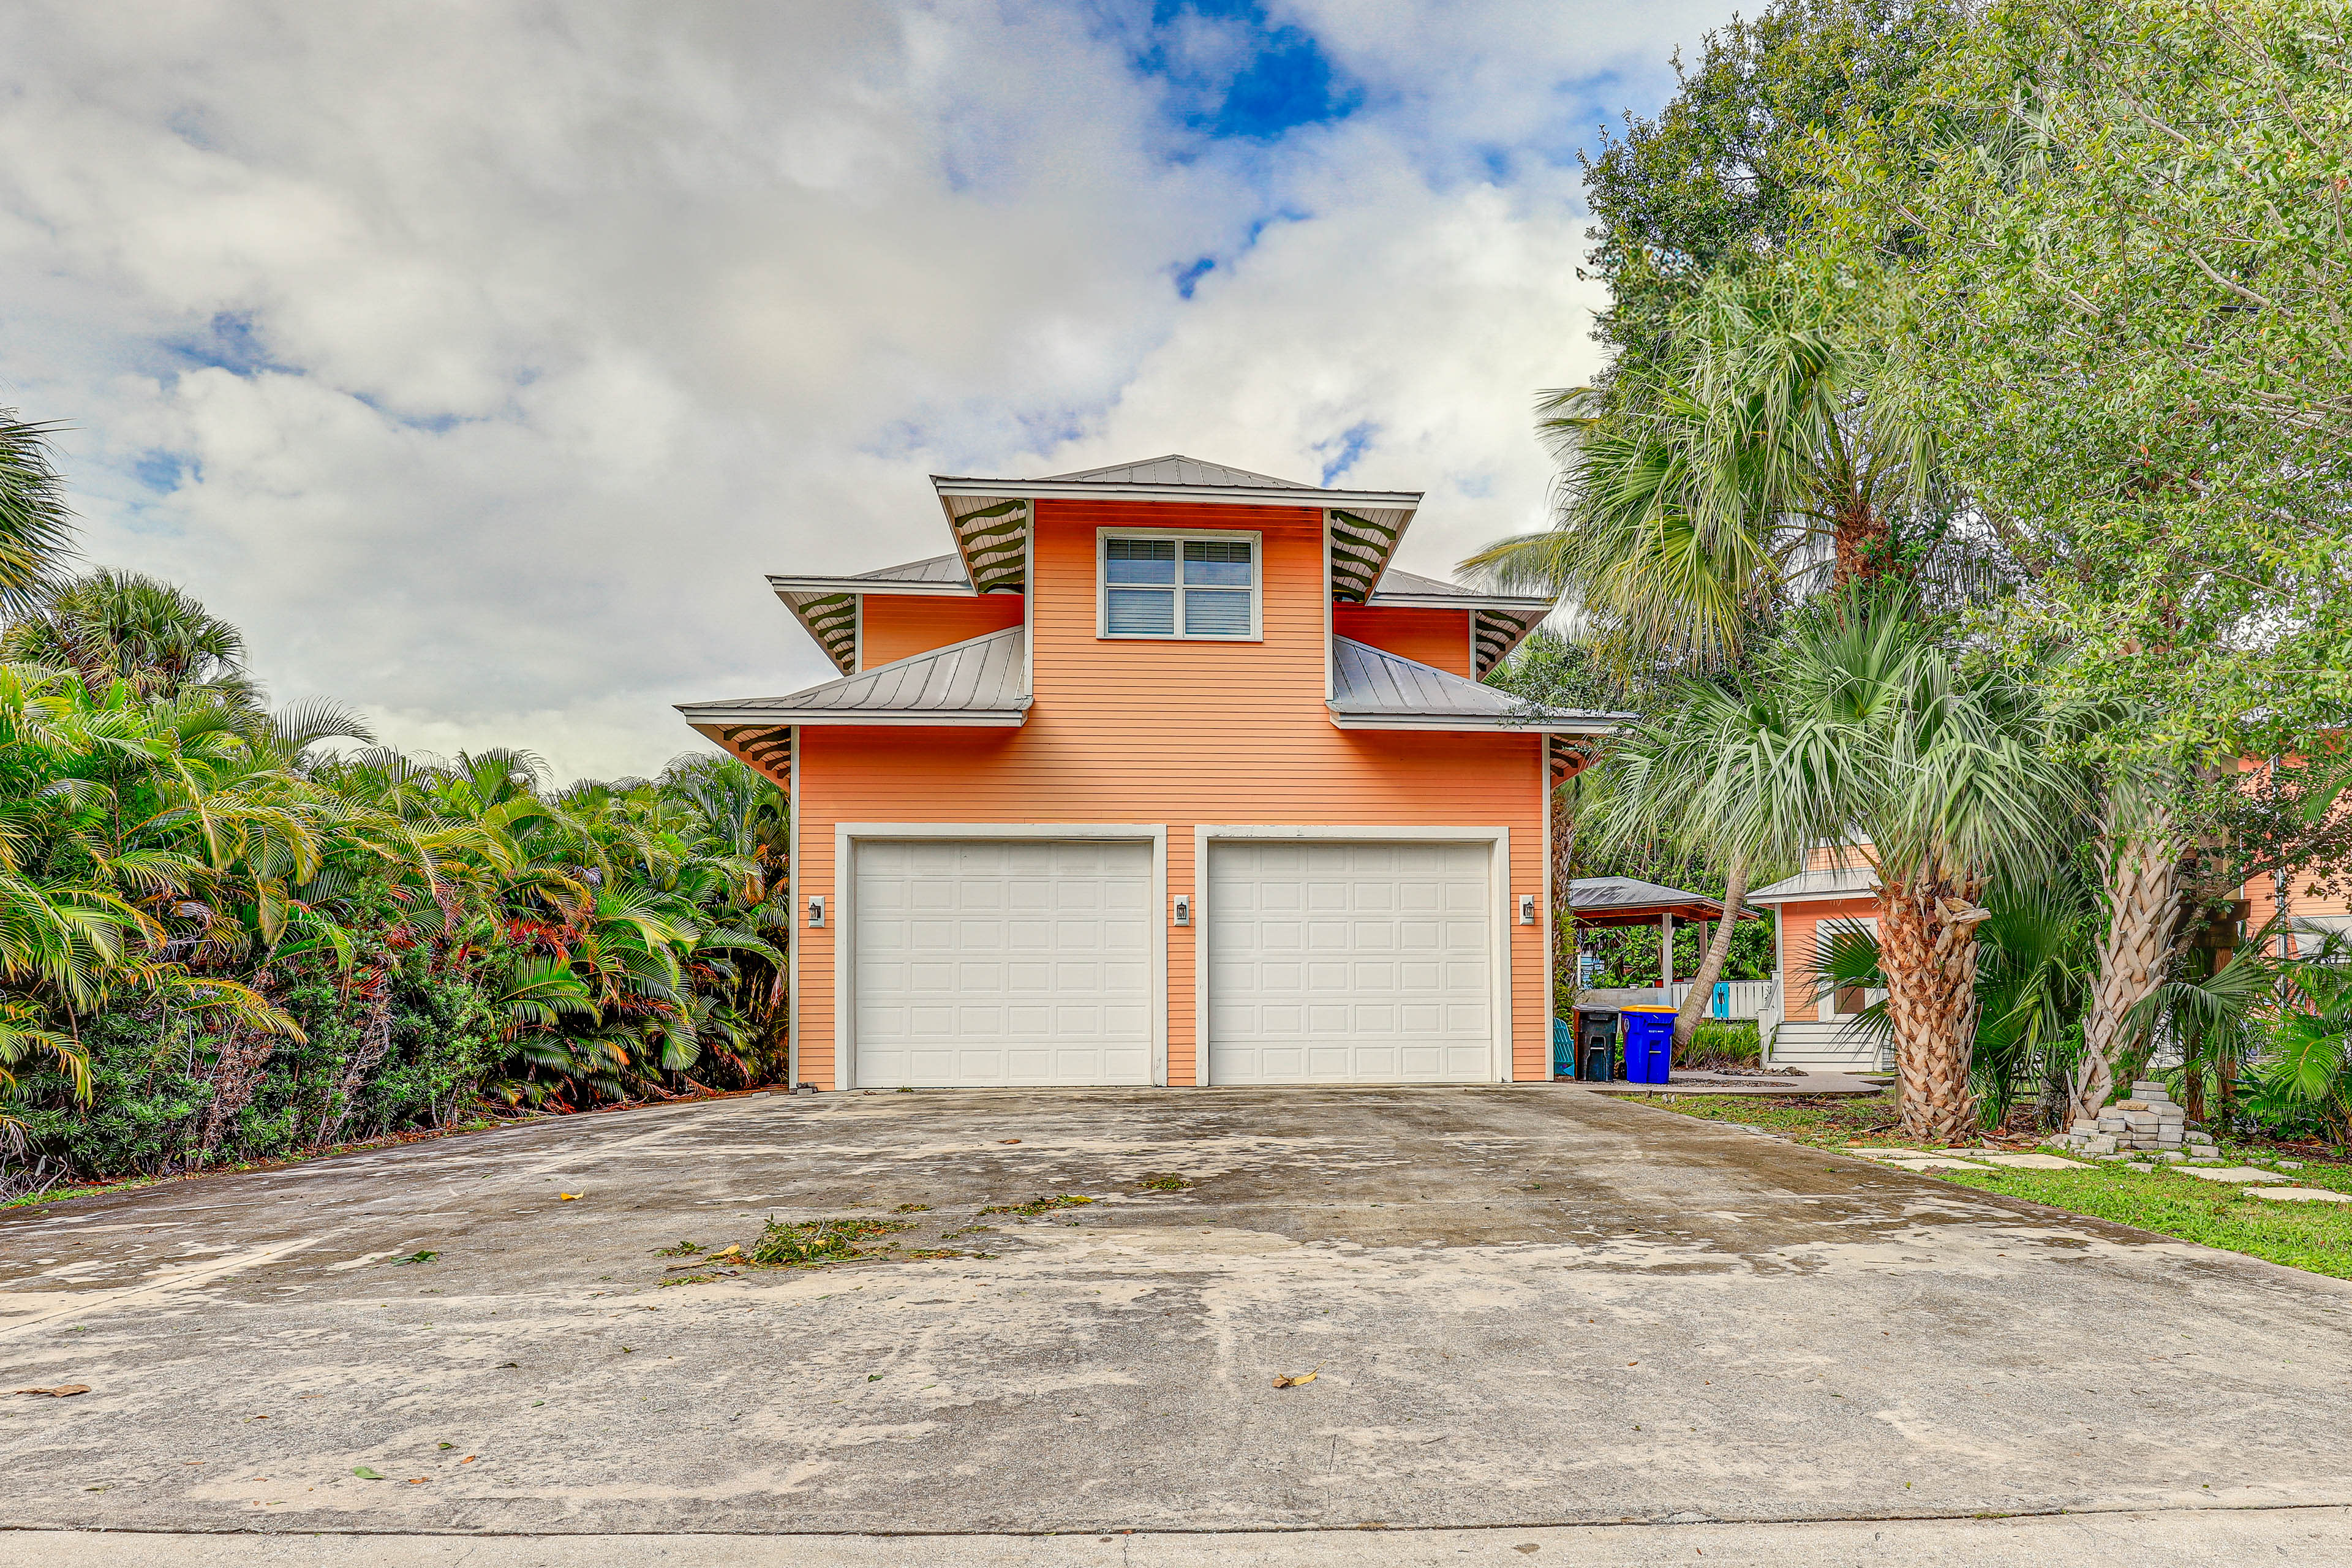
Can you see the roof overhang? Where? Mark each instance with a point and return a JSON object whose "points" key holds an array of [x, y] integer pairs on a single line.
{"points": [[1830, 897], [1506, 724], [1128, 489], [990, 519], [1382, 598], [783, 584], [982, 719]]}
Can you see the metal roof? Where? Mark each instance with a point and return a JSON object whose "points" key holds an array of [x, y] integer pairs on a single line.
{"points": [[1846, 882], [983, 681], [1375, 689], [933, 574], [828, 606], [1398, 586], [1599, 900], [1176, 468]]}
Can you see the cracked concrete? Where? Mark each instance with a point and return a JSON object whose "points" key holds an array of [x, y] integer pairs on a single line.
{"points": [[1527, 1307]]}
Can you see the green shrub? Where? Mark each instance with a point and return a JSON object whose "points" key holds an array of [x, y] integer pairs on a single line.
{"points": [[1722, 1043]]}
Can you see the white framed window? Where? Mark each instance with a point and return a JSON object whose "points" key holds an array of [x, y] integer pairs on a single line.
{"points": [[1164, 582]]}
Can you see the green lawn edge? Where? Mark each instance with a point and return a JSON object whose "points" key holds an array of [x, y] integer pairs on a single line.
{"points": [[2313, 1237]]}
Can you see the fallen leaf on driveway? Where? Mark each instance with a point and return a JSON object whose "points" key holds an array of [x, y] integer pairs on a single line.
{"points": [[365, 1474], [62, 1391], [1008, 1140], [1286, 1381], [565, 1197], [416, 1257]]}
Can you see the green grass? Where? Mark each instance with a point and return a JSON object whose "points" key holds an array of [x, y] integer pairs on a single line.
{"points": [[2312, 1235], [1826, 1122], [2309, 1236]]}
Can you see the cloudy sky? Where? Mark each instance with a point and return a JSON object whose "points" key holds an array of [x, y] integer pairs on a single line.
{"points": [[480, 357]]}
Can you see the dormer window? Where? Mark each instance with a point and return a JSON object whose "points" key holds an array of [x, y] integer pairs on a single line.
{"points": [[1160, 583]]}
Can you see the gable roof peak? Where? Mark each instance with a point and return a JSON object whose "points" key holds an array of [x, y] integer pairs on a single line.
{"points": [[1176, 468]]}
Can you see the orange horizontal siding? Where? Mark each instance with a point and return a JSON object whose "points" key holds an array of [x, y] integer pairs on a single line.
{"points": [[1178, 733], [1436, 637], [900, 626], [1800, 930]]}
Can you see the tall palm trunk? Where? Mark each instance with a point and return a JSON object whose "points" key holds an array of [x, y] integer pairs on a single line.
{"points": [[2140, 854], [1563, 873], [1864, 545], [1927, 952], [1710, 963]]}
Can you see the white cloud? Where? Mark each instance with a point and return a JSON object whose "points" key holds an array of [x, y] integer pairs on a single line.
{"points": [[478, 359]]}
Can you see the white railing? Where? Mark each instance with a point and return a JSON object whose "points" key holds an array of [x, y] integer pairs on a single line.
{"points": [[1747, 998]]}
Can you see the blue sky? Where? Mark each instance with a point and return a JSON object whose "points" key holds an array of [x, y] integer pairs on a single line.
{"points": [[480, 370]]}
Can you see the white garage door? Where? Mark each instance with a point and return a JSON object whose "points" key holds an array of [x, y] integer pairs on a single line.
{"points": [[1349, 964], [1002, 962]]}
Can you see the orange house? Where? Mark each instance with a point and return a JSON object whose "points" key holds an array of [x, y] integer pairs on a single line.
{"points": [[1163, 775]]}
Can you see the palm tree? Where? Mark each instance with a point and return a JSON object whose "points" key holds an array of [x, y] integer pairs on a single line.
{"points": [[1948, 773], [110, 626], [1761, 460], [36, 524]]}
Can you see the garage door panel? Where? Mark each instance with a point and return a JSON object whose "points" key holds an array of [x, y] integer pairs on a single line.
{"points": [[1349, 963], [1017, 962]]}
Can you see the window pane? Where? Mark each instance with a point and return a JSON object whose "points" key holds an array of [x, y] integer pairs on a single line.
{"points": [[1216, 612], [1142, 611], [1216, 563], [1139, 560]]}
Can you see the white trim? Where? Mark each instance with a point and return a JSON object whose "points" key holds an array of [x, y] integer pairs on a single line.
{"points": [[1777, 900], [779, 718], [1501, 724], [1029, 605], [843, 914], [861, 587], [1544, 933], [1469, 634], [1034, 491], [1498, 917], [1329, 617], [857, 637], [1181, 536], [1381, 599], [791, 908]]}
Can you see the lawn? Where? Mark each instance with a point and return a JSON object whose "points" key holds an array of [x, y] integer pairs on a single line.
{"points": [[2311, 1236]]}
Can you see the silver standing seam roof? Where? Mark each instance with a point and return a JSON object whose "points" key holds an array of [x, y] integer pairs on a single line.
{"points": [[1176, 468], [984, 681], [1375, 689], [1846, 882]]}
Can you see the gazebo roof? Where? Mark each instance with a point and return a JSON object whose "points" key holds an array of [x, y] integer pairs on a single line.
{"points": [[1630, 902]]}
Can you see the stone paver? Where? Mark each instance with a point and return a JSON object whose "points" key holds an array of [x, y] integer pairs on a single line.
{"points": [[1937, 1163], [2033, 1162], [2232, 1173], [2304, 1194]]}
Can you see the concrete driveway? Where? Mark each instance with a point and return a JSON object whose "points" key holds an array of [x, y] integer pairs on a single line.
{"points": [[1524, 1306]]}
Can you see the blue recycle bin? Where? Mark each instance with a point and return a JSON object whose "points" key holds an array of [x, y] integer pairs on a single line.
{"points": [[1648, 1043], [1564, 1048]]}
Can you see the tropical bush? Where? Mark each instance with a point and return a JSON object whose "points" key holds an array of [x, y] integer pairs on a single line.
{"points": [[224, 935]]}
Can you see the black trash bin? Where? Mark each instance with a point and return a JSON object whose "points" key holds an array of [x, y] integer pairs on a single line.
{"points": [[1596, 1046]]}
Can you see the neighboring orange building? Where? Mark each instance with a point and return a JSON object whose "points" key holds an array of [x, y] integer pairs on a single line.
{"points": [[1163, 776], [1837, 887]]}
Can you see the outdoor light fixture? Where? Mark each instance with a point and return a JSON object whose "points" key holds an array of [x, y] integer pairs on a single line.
{"points": [[1526, 908], [816, 910], [1183, 908]]}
